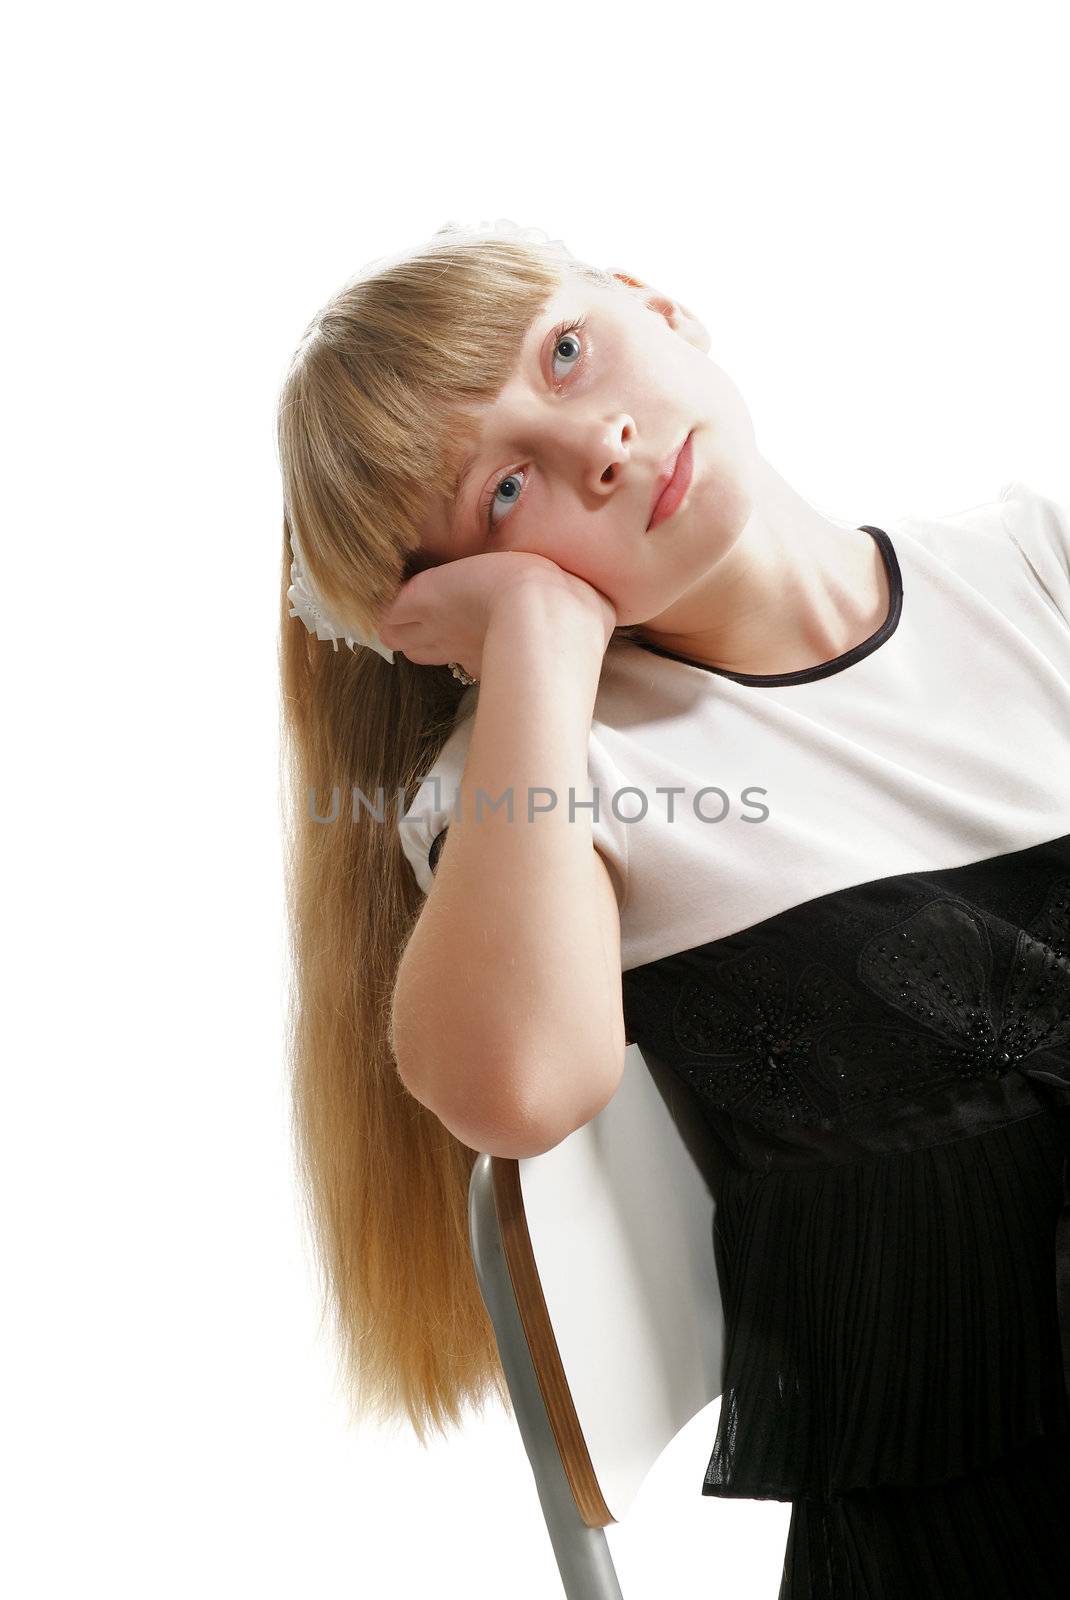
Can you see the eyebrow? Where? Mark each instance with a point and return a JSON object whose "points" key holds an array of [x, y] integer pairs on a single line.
{"points": [[461, 480]]}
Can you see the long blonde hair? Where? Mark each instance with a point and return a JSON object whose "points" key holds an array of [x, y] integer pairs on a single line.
{"points": [[372, 419]]}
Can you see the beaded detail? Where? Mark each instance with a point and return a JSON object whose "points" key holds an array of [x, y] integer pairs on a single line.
{"points": [[937, 968], [753, 1035], [817, 1051]]}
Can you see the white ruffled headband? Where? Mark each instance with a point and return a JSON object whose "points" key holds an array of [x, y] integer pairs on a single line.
{"points": [[306, 604], [302, 596]]}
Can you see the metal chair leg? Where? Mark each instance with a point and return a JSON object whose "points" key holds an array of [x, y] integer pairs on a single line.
{"points": [[582, 1553]]}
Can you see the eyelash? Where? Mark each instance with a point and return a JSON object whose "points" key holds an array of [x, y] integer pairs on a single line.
{"points": [[487, 502]]}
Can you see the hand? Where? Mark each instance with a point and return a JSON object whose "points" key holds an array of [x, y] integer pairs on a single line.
{"points": [[442, 614]]}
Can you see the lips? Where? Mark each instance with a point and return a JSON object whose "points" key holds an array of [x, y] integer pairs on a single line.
{"points": [[664, 478]]}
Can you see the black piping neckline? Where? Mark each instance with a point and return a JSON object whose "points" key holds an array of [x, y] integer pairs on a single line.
{"points": [[824, 669]]}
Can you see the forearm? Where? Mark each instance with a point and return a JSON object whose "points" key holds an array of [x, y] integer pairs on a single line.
{"points": [[508, 1006]]}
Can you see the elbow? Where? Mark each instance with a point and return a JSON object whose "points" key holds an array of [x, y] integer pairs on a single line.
{"points": [[513, 1140], [506, 1125], [558, 1123], [500, 1107], [490, 1130]]}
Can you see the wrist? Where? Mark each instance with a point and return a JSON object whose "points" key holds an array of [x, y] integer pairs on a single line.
{"points": [[535, 613]]}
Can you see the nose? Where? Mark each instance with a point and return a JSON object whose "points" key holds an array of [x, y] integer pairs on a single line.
{"points": [[604, 450]]}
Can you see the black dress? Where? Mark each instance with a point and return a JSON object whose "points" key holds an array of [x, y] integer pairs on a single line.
{"points": [[888, 1072], [868, 990]]}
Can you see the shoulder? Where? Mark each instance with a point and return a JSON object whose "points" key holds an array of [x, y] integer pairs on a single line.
{"points": [[1039, 524], [1038, 527], [1021, 530]]}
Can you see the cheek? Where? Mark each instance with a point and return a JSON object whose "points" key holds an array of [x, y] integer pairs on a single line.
{"points": [[558, 530], [574, 554]]}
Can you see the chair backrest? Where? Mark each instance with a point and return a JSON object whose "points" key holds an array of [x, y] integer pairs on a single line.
{"points": [[608, 1241]]}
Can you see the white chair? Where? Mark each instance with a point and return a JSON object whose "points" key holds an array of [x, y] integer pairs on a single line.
{"points": [[596, 1265]]}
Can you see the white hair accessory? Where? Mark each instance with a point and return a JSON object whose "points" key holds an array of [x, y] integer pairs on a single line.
{"points": [[306, 604]]}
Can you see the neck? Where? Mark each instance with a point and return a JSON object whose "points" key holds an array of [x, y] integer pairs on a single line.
{"points": [[791, 591]]}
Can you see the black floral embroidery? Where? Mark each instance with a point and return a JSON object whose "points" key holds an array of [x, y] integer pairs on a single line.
{"points": [[936, 968], [1052, 926], [774, 1053], [752, 1035]]}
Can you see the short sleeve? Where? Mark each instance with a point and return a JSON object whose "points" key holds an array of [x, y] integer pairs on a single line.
{"points": [[610, 832], [1040, 528], [424, 825]]}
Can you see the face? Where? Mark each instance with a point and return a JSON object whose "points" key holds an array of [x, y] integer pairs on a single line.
{"points": [[569, 451]]}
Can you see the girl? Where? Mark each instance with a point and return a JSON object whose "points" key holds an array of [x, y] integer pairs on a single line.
{"points": [[683, 761]]}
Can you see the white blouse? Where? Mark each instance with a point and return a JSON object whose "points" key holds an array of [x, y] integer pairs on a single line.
{"points": [[725, 799]]}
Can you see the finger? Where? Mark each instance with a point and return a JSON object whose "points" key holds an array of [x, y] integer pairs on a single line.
{"points": [[394, 634], [395, 619]]}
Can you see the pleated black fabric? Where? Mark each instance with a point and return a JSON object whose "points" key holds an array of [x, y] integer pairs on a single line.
{"points": [[1001, 1533], [896, 1320]]}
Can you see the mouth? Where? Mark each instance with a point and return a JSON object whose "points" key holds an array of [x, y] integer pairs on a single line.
{"points": [[671, 484]]}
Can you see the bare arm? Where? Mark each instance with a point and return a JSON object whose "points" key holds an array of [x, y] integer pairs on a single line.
{"points": [[507, 1013]]}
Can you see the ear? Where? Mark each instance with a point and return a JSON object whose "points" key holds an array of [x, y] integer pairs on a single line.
{"points": [[679, 318]]}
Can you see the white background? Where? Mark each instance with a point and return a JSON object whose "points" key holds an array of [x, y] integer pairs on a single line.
{"points": [[865, 206]]}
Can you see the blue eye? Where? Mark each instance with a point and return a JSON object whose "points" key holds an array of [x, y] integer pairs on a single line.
{"points": [[566, 330]]}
